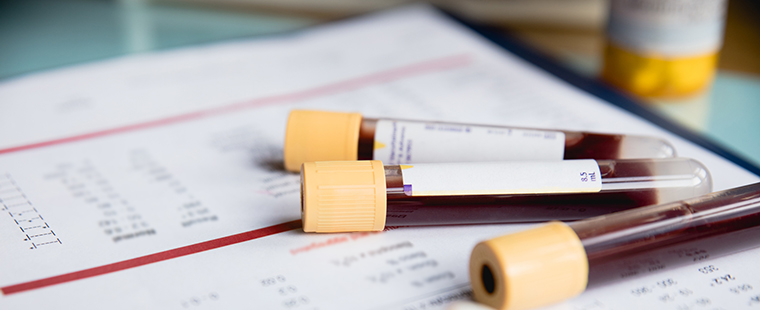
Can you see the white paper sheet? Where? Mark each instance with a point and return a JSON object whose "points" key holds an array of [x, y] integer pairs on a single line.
{"points": [[126, 182]]}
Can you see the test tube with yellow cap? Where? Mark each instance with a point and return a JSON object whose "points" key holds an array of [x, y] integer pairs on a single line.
{"points": [[345, 196], [324, 136], [556, 261]]}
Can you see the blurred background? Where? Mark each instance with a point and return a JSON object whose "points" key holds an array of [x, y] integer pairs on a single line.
{"points": [[38, 35]]}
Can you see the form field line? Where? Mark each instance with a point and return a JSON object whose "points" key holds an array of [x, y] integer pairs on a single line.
{"points": [[152, 258], [323, 90]]}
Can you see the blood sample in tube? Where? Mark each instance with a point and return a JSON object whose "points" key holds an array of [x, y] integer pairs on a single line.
{"points": [[558, 260], [327, 136], [343, 196]]}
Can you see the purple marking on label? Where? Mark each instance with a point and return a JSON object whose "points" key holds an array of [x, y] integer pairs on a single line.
{"points": [[408, 189]]}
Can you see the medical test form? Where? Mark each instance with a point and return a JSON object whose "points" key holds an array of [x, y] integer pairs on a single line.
{"points": [[155, 181]]}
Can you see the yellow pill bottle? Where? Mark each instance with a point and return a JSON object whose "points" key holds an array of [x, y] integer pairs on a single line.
{"points": [[663, 48]]}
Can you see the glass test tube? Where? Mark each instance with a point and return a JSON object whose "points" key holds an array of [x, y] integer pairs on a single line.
{"points": [[345, 196], [556, 261], [325, 136]]}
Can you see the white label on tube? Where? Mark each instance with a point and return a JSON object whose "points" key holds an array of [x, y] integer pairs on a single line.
{"points": [[494, 178], [403, 142]]}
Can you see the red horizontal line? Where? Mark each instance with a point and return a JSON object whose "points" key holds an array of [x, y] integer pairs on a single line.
{"points": [[152, 258], [342, 86]]}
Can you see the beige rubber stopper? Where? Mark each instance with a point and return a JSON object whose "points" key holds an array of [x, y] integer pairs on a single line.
{"points": [[320, 136], [529, 269], [343, 196]]}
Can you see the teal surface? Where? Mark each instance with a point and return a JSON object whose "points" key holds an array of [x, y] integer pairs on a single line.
{"points": [[734, 114], [39, 35]]}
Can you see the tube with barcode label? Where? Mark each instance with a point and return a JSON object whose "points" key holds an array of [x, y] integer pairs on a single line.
{"points": [[557, 261], [344, 196], [323, 136]]}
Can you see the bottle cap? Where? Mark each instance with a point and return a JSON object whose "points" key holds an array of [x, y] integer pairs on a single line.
{"points": [[658, 76], [529, 269], [343, 196], [319, 135]]}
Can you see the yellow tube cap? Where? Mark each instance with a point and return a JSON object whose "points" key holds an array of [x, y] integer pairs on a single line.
{"points": [[529, 269], [343, 196], [319, 135]]}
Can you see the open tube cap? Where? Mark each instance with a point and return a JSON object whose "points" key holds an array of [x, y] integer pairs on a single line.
{"points": [[319, 135], [529, 269], [343, 196]]}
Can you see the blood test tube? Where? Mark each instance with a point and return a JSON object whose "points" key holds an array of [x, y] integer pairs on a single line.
{"points": [[556, 261], [344, 196], [326, 136]]}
